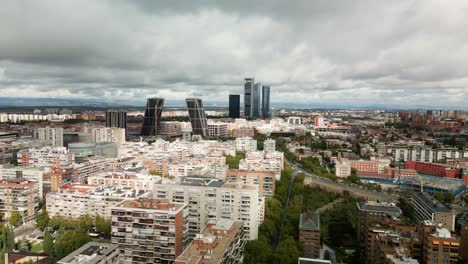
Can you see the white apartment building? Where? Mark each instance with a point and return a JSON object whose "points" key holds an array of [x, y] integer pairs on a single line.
{"points": [[19, 195], [80, 199], [411, 152], [207, 170], [246, 144], [45, 157], [269, 145], [132, 180], [108, 134], [217, 129], [342, 169], [212, 199], [81, 171], [264, 161], [30, 174], [51, 136]]}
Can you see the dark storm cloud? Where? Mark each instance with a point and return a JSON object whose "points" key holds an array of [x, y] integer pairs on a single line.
{"points": [[319, 51]]}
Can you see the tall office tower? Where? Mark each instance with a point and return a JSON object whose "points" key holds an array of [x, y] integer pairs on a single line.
{"points": [[234, 106], [266, 101], [256, 101], [248, 98], [51, 136], [154, 107], [116, 119], [197, 116]]}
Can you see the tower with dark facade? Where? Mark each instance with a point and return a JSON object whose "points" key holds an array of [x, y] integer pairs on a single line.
{"points": [[248, 97], [256, 100], [234, 106], [266, 101], [116, 119], [154, 107], [197, 117]]}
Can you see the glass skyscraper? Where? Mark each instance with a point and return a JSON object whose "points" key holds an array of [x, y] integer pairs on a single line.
{"points": [[116, 119], [197, 116], [248, 97], [234, 106], [266, 101], [154, 107], [256, 101]]}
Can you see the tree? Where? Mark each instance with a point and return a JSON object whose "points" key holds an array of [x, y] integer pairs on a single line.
{"points": [[42, 219], [23, 245], [258, 251], [103, 226], [287, 251], [327, 255], [48, 244], [15, 219]]}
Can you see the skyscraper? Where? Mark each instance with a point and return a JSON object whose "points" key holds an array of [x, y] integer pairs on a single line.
{"points": [[197, 116], [248, 98], [266, 101], [154, 107], [256, 101], [116, 119], [234, 106]]}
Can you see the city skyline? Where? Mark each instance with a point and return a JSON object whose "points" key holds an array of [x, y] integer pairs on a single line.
{"points": [[298, 48]]}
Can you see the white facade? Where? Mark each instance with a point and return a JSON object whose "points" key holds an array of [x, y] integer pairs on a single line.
{"points": [[342, 169], [108, 134], [52, 136], [80, 199], [246, 144], [217, 129], [212, 201], [264, 161], [269, 145], [30, 174], [45, 157]]}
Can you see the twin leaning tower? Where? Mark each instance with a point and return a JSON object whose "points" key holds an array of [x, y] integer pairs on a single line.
{"points": [[154, 107]]}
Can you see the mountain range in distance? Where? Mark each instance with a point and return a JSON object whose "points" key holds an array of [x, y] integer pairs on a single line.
{"points": [[28, 102]]}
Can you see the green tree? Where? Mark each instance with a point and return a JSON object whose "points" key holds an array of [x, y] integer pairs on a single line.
{"points": [[287, 251], [15, 219], [103, 226], [23, 245], [327, 255], [48, 244], [258, 251], [42, 219]]}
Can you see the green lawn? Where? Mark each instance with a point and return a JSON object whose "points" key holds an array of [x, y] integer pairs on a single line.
{"points": [[37, 248]]}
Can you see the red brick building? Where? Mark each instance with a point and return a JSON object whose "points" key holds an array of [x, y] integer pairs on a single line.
{"points": [[434, 169]]}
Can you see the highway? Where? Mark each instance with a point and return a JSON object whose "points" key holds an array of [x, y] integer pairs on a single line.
{"points": [[338, 187]]}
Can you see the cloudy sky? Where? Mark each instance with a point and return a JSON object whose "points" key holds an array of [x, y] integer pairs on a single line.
{"points": [[359, 52]]}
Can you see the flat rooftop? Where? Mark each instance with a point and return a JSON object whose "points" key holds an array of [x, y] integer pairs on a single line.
{"points": [[151, 204], [433, 203], [194, 252], [207, 182], [388, 208], [90, 253]]}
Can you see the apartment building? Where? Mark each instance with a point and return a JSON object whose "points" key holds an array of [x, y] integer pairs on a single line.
{"points": [[265, 180], [93, 253], [213, 199], [136, 181], [441, 247], [21, 196], [427, 208], [198, 170], [422, 153], [51, 136], [269, 145], [220, 242], [309, 234], [46, 157], [217, 129], [149, 230], [80, 199], [342, 168], [262, 161], [246, 144], [31, 174], [435, 169], [108, 134], [370, 213], [83, 170]]}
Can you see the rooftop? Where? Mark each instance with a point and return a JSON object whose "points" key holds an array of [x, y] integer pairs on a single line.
{"points": [[381, 207], [151, 204], [90, 253], [309, 220], [208, 182], [210, 238], [433, 203]]}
